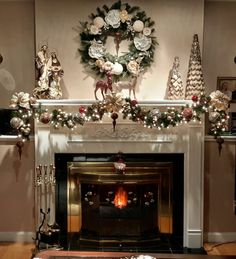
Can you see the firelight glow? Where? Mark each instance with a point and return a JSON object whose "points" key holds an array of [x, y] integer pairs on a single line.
{"points": [[121, 198]]}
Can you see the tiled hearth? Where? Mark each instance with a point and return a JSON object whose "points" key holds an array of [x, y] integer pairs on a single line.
{"points": [[132, 138]]}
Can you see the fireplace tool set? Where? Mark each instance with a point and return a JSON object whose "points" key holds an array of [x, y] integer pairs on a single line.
{"points": [[45, 182]]}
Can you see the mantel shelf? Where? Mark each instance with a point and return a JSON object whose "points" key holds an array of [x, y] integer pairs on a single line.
{"points": [[227, 138], [75, 102], [13, 138]]}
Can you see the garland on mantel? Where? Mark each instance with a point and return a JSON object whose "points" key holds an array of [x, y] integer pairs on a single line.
{"points": [[216, 105]]}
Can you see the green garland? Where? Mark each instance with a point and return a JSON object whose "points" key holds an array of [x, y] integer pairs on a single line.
{"points": [[113, 105], [122, 22]]}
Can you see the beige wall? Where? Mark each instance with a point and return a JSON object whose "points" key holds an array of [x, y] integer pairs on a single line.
{"points": [[16, 74], [16, 191], [176, 23], [219, 188], [219, 42], [218, 60], [17, 48]]}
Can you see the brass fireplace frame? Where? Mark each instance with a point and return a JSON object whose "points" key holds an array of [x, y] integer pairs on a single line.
{"points": [[135, 173]]}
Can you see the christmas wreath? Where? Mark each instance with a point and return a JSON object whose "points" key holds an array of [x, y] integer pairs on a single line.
{"points": [[122, 22]]}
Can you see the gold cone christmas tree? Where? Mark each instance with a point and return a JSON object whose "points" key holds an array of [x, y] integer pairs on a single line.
{"points": [[175, 85], [195, 83]]}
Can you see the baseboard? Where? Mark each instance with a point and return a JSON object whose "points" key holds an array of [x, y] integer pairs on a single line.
{"points": [[19, 236], [219, 237]]}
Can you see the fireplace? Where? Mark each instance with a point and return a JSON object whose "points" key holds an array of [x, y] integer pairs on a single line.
{"points": [[152, 218], [183, 146]]}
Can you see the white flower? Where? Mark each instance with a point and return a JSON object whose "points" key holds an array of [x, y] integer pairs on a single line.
{"points": [[133, 67], [99, 62], [113, 18], [219, 100], [138, 26], [20, 99], [142, 42], [99, 22], [124, 16], [117, 69], [214, 116], [108, 66], [96, 50], [94, 29], [147, 31]]}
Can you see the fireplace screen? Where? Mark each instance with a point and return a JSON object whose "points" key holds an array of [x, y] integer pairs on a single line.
{"points": [[106, 207]]}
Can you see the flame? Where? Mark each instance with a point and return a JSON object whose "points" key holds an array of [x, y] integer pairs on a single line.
{"points": [[121, 198]]}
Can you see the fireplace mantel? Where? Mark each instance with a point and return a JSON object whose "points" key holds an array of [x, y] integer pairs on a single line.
{"points": [[130, 137], [75, 102]]}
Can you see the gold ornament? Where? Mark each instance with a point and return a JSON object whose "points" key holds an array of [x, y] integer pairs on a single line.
{"points": [[114, 102]]}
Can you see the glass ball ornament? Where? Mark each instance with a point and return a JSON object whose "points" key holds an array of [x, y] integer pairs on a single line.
{"points": [[45, 117], [16, 122]]}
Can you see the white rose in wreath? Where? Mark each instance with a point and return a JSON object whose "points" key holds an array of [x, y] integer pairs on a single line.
{"points": [[99, 62], [99, 22], [124, 16], [113, 18], [108, 66], [117, 69], [138, 26], [94, 30], [142, 42], [133, 67], [96, 50], [147, 31]]}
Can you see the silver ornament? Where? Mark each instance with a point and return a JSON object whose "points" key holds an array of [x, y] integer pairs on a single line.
{"points": [[214, 116], [16, 122]]}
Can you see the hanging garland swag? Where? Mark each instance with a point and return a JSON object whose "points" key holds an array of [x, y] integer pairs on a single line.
{"points": [[122, 22]]}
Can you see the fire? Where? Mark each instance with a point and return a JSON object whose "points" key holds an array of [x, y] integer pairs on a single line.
{"points": [[121, 198]]}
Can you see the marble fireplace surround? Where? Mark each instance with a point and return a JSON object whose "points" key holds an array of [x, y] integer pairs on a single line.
{"points": [[130, 137]]}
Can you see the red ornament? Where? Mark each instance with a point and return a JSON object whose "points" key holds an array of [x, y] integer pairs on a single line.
{"points": [[194, 98], [187, 114], [82, 109], [45, 117], [114, 116], [134, 102], [20, 145]]}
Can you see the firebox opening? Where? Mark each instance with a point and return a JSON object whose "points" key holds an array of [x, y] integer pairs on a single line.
{"points": [[151, 219], [103, 220]]}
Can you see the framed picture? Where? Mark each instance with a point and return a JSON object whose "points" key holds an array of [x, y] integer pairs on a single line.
{"points": [[227, 85]]}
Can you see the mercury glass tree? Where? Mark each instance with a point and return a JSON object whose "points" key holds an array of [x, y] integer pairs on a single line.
{"points": [[195, 83]]}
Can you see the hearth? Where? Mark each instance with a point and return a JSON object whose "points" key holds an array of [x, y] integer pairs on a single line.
{"points": [[151, 218]]}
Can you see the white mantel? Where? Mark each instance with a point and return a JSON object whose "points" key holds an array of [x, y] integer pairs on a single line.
{"points": [[130, 137]]}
